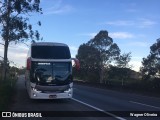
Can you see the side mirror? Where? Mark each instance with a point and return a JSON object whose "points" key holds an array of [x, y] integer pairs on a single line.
{"points": [[28, 66], [75, 63]]}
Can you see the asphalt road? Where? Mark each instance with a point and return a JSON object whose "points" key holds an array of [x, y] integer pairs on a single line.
{"points": [[89, 100]]}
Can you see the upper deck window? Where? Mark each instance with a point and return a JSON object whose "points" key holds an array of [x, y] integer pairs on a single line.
{"points": [[50, 52]]}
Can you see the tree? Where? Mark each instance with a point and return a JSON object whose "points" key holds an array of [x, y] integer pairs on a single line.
{"points": [[15, 25], [89, 60], [123, 60], [88, 56], [123, 69], [108, 50], [150, 69], [151, 65]]}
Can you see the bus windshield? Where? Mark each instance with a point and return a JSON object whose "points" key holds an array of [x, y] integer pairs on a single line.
{"points": [[50, 52]]}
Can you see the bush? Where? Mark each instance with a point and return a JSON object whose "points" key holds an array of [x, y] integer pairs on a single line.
{"points": [[6, 93]]}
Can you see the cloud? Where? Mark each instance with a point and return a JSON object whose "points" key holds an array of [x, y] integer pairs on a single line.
{"points": [[140, 23], [120, 23], [58, 8], [132, 10], [90, 35], [19, 58], [131, 7], [73, 48], [146, 23], [21, 55], [137, 57], [73, 51], [135, 65], [18, 48], [117, 35], [121, 35], [17, 54], [138, 44]]}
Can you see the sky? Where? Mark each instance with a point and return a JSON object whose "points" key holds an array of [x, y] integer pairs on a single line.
{"points": [[133, 25]]}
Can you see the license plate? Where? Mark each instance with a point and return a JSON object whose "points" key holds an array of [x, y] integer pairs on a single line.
{"points": [[52, 96]]}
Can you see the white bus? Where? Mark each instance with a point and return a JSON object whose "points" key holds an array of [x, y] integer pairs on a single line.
{"points": [[49, 71]]}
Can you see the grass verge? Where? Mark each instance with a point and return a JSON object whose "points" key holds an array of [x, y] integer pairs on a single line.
{"points": [[6, 93]]}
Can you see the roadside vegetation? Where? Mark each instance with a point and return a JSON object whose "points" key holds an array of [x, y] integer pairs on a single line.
{"points": [[103, 64], [6, 93], [7, 87], [15, 28]]}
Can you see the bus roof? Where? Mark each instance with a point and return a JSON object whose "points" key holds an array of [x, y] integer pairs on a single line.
{"points": [[48, 44]]}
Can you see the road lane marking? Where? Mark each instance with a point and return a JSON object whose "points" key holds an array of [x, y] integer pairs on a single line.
{"points": [[145, 105], [119, 118]]}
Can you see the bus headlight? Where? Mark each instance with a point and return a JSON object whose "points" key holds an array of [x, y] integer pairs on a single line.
{"points": [[34, 89], [68, 90]]}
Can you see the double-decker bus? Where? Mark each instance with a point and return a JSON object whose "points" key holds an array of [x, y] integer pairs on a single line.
{"points": [[49, 71]]}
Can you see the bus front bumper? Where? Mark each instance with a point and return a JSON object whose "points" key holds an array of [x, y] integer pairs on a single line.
{"points": [[51, 95]]}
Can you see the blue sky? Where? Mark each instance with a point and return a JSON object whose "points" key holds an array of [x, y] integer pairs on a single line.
{"points": [[133, 25]]}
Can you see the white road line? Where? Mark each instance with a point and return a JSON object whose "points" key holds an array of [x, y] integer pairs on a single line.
{"points": [[145, 105], [119, 118]]}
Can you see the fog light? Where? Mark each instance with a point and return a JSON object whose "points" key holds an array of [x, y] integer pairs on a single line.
{"points": [[34, 95]]}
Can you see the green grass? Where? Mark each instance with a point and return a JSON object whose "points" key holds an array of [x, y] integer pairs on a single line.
{"points": [[6, 93]]}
